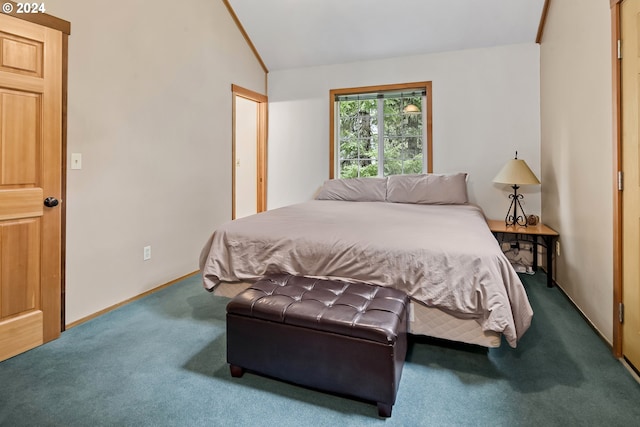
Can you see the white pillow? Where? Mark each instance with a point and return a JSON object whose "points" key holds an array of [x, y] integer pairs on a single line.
{"points": [[445, 189]]}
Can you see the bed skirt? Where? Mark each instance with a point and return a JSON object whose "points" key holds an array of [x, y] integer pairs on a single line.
{"points": [[423, 320]]}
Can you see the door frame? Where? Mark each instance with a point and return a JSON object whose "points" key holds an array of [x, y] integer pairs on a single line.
{"points": [[261, 147], [617, 169], [64, 27]]}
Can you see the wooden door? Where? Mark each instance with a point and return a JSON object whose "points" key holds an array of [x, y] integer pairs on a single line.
{"points": [[30, 171], [631, 191]]}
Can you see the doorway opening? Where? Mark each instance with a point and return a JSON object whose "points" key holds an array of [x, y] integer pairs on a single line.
{"points": [[249, 153]]}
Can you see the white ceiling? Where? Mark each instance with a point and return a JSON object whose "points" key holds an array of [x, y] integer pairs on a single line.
{"points": [[302, 33]]}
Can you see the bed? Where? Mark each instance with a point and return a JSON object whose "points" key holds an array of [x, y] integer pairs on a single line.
{"points": [[416, 233]]}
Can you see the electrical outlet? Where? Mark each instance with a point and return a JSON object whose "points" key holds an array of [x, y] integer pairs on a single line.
{"points": [[557, 248], [146, 253]]}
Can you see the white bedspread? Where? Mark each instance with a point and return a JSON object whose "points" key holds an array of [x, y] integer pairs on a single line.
{"points": [[441, 255]]}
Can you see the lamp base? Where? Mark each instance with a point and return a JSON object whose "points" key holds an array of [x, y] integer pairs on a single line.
{"points": [[515, 219]]}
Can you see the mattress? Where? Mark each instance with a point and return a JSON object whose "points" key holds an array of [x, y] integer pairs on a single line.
{"points": [[433, 322]]}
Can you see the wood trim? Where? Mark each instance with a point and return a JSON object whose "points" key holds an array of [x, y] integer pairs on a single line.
{"points": [[617, 165], [63, 207], [127, 301], [233, 155], [614, 2], [429, 128], [43, 19], [543, 20], [380, 88], [332, 134], [263, 120], [249, 94], [245, 35]]}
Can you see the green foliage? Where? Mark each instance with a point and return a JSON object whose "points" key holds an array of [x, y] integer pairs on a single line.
{"points": [[359, 137], [351, 168]]}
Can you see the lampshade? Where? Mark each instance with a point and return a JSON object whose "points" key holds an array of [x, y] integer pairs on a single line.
{"points": [[516, 172], [411, 109]]}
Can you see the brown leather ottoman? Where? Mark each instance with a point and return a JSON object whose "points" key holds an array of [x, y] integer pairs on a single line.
{"points": [[330, 335]]}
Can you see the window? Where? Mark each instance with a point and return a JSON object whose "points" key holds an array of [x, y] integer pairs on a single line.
{"points": [[380, 130]]}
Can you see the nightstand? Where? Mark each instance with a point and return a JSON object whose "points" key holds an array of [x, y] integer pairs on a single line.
{"points": [[537, 234]]}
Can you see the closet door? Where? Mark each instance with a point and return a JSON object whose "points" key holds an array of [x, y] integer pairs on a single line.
{"points": [[30, 185]]}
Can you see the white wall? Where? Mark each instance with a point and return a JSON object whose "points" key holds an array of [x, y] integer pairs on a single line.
{"points": [[577, 149], [149, 108], [485, 107]]}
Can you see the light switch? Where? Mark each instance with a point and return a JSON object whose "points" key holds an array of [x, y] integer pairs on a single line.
{"points": [[76, 161]]}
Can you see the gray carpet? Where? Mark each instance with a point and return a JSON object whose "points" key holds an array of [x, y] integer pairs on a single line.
{"points": [[160, 361]]}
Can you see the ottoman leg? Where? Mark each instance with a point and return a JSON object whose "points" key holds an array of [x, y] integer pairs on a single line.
{"points": [[236, 371], [384, 409]]}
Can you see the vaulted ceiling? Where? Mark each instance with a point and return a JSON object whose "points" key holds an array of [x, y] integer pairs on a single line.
{"points": [[303, 33]]}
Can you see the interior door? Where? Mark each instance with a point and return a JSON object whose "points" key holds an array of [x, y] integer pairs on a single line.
{"points": [[30, 172], [630, 17]]}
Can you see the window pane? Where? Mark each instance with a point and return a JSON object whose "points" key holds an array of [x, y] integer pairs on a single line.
{"points": [[393, 117], [368, 148], [413, 146], [369, 107], [374, 125], [348, 149], [368, 168], [392, 106], [413, 164], [348, 108], [358, 168], [392, 166], [347, 128], [402, 155], [349, 169], [358, 149], [402, 166], [362, 124], [411, 130], [394, 148]]}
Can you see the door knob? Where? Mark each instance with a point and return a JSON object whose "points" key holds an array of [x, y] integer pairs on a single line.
{"points": [[51, 202]]}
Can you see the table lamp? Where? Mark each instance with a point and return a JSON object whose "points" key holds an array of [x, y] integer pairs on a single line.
{"points": [[516, 173]]}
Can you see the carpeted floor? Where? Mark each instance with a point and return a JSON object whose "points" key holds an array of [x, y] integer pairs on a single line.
{"points": [[160, 361]]}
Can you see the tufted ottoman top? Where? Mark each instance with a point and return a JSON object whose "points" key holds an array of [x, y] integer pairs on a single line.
{"points": [[352, 309]]}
